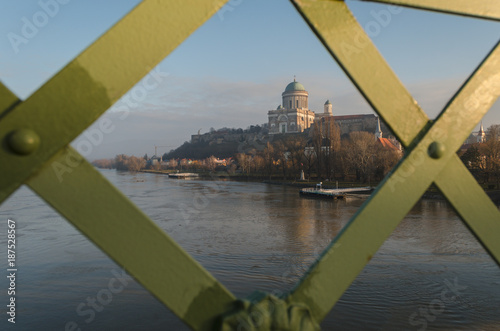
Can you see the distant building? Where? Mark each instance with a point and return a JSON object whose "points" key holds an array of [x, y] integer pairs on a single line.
{"points": [[391, 144], [378, 131], [476, 137], [481, 136], [294, 115], [351, 123], [153, 161], [327, 111]]}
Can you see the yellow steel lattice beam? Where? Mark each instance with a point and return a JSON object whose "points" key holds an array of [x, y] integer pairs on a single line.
{"points": [[101, 212], [361, 238], [75, 97], [472, 204], [7, 100], [488, 9], [135, 41], [65, 106]]}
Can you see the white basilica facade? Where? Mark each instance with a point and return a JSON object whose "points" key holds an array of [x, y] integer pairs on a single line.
{"points": [[294, 115]]}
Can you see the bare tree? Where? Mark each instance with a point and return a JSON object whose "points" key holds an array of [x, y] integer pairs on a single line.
{"points": [[472, 157], [491, 151], [268, 156], [121, 162], [183, 163], [332, 147], [309, 160], [360, 152], [104, 163], [295, 146], [258, 163], [282, 156], [135, 163], [317, 143], [326, 144], [210, 163], [173, 163], [245, 162], [385, 160]]}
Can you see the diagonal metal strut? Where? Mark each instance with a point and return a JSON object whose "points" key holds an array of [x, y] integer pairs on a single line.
{"points": [[341, 262]]}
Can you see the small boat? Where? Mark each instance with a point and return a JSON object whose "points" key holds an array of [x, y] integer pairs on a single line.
{"points": [[183, 175], [339, 193]]}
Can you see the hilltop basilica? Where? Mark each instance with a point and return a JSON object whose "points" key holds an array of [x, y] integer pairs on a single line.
{"points": [[294, 115]]}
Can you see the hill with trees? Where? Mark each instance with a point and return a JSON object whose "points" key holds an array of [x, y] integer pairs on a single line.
{"points": [[222, 143]]}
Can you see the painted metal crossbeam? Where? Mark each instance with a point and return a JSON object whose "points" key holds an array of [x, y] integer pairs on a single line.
{"points": [[74, 98], [487, 9], [7, 100], [472, 204], [60, 110], [84, 89], [96, 208], [360, 239]]}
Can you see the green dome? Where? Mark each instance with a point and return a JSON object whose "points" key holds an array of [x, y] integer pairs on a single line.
{"points": [[328, 102], [294, 86]]}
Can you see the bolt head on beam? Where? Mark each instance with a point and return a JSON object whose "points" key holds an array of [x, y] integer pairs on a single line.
{"points": [[23, 141], [436, 150]]}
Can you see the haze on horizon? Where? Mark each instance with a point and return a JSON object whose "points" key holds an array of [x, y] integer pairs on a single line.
{"points": [[233, 69]]}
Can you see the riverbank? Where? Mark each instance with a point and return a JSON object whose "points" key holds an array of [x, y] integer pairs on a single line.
{"points": [[265, 179], [431, 194]]}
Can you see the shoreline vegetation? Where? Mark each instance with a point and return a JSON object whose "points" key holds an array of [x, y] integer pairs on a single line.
{"points": [[320, 155], [431, 194]]}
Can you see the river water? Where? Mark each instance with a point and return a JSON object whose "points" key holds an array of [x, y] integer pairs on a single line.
{"points": [[431, 274]]}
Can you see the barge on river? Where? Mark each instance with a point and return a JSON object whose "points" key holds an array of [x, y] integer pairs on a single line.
{"points": [[339, 193], [183, 175]]}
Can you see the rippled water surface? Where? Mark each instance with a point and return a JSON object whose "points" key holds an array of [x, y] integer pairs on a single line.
{"points": [[431, 274]]}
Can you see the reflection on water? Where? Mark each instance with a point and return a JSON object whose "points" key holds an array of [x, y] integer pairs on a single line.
{"points": [[430, 274]]}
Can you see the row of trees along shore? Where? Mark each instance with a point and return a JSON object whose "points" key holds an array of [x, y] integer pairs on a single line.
{"points": [[322, 155]]}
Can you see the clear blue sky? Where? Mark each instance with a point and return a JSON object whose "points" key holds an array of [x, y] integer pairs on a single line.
{"points": [[233, 69]]}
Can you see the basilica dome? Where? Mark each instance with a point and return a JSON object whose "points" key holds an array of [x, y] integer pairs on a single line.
{"points": [[294, 86], [295, 96]]}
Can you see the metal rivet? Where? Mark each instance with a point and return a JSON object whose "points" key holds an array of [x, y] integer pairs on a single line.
{"points": [[23, 141], [436, 150]]}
